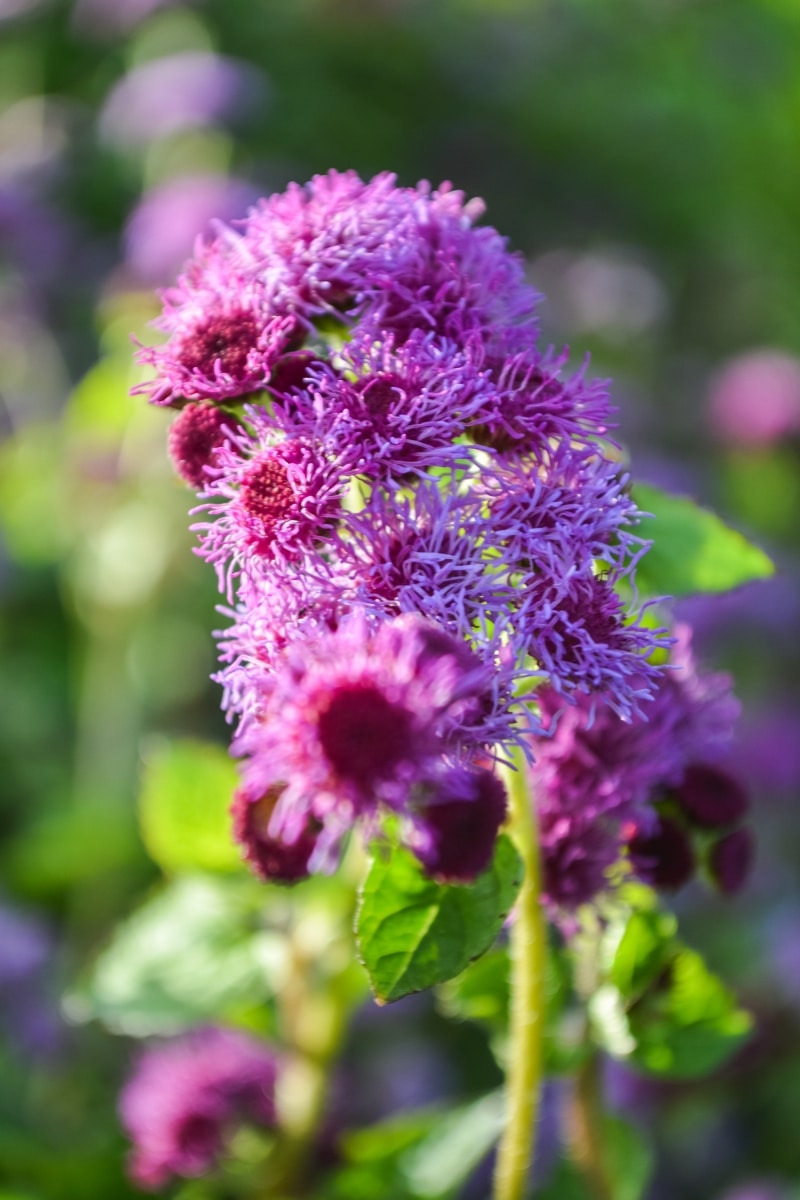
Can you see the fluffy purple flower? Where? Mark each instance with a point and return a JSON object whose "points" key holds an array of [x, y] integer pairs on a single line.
{"points": [[578, 631], [362, 717], [402, 407], [184, 1098], [529, 406], [595, 772], [397, 258], [422, 552], [415, 514]]}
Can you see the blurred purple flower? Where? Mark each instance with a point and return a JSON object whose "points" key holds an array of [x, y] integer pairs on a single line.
{"points": [[27, 1017], [163, 228], [179, 91], [15, 8], [184, 1099], [755, 399], [110, 17], [771, 604], [33, 236], [767, 750], [756, 1190]]}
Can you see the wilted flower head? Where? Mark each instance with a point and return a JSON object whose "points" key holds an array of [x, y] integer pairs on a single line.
{"points": [[185, 1098], [598, 777]]}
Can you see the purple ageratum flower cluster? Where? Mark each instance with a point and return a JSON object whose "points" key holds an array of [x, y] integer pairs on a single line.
{"points": [[185, 1098], [411, 510], [646, 790]]}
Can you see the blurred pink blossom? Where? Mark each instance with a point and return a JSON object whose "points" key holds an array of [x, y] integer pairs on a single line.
{"points": [[162, 230], [177, 92], [755, 399]]}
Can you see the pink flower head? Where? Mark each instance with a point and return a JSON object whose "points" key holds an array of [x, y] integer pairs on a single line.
{"points": [[268, 857], [225, 331], [271, 497], [184, 1098], [755, 400], [360, 717]]}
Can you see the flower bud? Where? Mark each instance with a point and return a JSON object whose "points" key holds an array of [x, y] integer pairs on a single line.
{"points": [[710, 797], [731, 859], [663, 855]]}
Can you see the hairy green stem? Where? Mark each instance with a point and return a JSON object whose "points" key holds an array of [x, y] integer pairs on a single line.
{"points": [[528, 948]]}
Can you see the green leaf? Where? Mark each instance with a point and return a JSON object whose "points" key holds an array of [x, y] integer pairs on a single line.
{"points": [[427, 1154], [689, 1024], [628, 1159], [645, 948], [413, 932], [658, 1006], [446, 1158], [194, 952], [693, 550], [185, 796]]}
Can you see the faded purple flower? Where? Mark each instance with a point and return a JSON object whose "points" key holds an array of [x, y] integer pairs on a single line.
{"points": [[28, 1017], [597, 775], [179, 91], [185, 1098], [169, 219]]}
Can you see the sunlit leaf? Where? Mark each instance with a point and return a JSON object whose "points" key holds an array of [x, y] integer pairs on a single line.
{"points": [[184, 803], [194, 952], [693, 549], [413, 932]]}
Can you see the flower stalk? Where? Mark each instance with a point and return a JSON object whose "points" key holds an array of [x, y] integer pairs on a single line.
{"points": [[528, 948]]}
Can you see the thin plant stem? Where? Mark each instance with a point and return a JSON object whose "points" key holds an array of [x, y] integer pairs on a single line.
{"points": [[528, 948], [583, 1123]]}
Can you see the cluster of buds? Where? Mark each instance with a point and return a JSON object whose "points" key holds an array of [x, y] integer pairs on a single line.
{"points": [[414, 515], [649, 792]]}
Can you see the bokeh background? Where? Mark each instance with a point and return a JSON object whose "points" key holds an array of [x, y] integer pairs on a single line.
{"points": [[644, 156]]}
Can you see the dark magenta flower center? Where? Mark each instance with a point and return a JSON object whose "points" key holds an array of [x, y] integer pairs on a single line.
{"points": [[227, 339], [378, 396], [266, 492], [363, 735]]}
